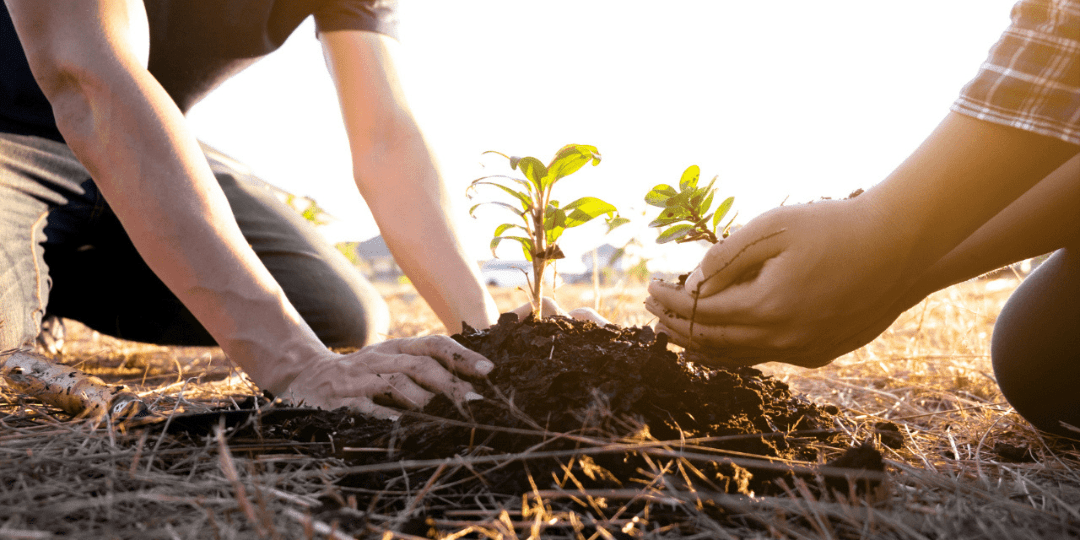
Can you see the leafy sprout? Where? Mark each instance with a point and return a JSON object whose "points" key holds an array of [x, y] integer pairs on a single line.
{"points": [[687, 213], [541, 221]]}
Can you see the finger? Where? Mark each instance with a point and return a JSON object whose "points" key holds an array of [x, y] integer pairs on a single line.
{"points": [[734, 257], [737, 305], [400, 390], [720, 308], [426, 372], [548, 307], [588, 314], [449, 353], [522, 311], [728, 337], [367, 407]]}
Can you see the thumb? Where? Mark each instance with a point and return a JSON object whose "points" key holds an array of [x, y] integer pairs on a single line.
{"points": [[732, 259]]}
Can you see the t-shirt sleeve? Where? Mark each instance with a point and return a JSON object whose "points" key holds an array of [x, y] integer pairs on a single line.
{"points": [[371, 15], [1031, 78]]}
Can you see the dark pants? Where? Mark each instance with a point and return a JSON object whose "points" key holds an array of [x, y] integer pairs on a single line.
{"points": [[63, 252], [1036, 345]]}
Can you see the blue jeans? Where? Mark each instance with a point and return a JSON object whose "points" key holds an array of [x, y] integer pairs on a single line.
{"points": [[63, 252]]}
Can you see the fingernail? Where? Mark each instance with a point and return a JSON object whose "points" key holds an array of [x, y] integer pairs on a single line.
{"points": [[473, 396], [394, 417], [695, 279], [484, 366]]}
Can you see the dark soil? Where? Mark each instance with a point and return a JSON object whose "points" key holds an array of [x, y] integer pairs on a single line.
{"points": [[596, 385]]}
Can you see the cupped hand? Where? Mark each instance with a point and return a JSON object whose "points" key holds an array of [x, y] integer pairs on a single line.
{"points": [[799, 284], [549, 307], [380, 379]]}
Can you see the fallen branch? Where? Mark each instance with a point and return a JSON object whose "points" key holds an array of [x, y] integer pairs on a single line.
{"points": [[74, 392]]}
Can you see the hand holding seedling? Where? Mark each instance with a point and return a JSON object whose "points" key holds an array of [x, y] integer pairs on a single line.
{"points": [[805, 284], [380, 379], [786, 288]]}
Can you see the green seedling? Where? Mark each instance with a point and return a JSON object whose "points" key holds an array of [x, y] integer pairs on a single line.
{"points": [[541, 220], [687, 214]]}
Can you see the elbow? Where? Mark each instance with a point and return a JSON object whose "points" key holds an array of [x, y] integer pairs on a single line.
{"points": [[75, 89], [392, 143], [60, 70]]}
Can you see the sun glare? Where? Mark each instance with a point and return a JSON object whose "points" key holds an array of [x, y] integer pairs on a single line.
{"points": [[791, 101]]}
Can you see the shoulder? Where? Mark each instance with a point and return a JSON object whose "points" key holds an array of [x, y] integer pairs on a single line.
{"points": [[1031, 77], [379, 16]]}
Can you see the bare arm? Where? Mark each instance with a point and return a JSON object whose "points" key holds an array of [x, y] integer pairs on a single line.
{"points": [[128, 133], [829, 275], [398, 177], [132, 138]]}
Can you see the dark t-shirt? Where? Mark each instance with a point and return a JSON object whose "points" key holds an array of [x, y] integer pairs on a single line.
{"points": [[195, 45]]}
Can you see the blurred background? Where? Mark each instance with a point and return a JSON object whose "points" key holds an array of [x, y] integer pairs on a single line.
{"points": [[782, 100]]}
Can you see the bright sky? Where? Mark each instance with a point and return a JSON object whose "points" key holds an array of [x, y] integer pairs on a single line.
{"points": [[782, 99]]}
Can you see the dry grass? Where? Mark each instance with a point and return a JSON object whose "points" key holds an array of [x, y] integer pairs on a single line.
{"points": [[929, 374]]}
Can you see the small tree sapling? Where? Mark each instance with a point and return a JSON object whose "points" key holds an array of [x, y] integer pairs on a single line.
{"points": [[542, 220], [687, 214]]}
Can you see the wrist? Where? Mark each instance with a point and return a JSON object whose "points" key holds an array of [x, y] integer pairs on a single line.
{"points": [[274, 370], [271, 343]]}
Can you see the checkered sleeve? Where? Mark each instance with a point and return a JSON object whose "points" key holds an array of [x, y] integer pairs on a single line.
{"points": [[1031, 79]]}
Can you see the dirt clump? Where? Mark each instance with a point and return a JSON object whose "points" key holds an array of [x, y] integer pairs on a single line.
{"points": [[563, 388]]}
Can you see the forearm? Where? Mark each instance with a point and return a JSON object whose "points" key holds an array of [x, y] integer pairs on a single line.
{"points": [[397, 175], [411, 205], [1042, 220], [966, 173], [132, 139], [161, 189]]}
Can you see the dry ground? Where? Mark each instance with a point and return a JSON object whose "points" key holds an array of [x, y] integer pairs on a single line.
{"points": [[970, 468]]}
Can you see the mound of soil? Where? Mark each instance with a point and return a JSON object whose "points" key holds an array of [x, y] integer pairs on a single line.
{"points": [[593, 384]]}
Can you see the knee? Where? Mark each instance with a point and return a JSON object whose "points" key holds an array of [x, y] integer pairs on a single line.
{"points": [[19, 330], [1034, 348], [366, 321]]}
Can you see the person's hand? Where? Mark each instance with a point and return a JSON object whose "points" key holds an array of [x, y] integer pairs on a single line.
{"points": [[799, 284], [549, 307], [396, 374]]}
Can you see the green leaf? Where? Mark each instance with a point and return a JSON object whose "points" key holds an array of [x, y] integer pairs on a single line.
{"points": [[586, 209], [675, 232], [506, 226], [553, 253], [722, 211], [526, 244], [509, 207], [615, 222], [689, 178], [569, 159], [669, 216], [554, 223], [707, 203], [727, 227], [681, 199], [532, 168], [664, 222], [525, 200], [659, 195]]}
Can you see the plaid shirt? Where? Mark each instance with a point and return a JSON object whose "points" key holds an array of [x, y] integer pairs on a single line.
{"points": [[1031, 79]]}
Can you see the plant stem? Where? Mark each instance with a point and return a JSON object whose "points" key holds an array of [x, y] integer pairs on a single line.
{"points": [[538, 257]]}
